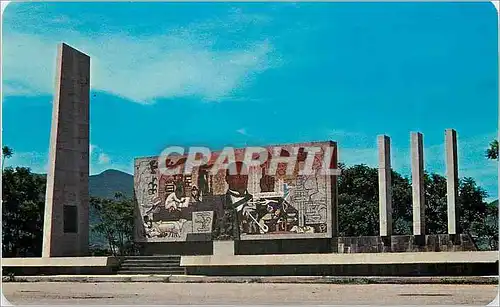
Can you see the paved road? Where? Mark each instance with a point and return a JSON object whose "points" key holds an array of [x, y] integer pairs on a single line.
{"points": [[258, 294]]}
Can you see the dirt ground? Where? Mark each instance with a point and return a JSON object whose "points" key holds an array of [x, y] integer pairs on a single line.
{"points": [[255, 294]]}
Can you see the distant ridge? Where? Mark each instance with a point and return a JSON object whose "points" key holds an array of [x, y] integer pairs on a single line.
{"points": [[109, 182]]}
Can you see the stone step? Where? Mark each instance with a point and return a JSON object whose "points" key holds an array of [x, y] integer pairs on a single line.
{"points": [[152, 257], [177, 271], [146, 262], [150, 265], [159, 268], [151, 273]]}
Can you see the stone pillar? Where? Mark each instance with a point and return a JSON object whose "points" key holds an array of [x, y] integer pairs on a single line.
{"points": [[417, 182], [451, 179], [66, 219], [223, 248], [384, 184]]}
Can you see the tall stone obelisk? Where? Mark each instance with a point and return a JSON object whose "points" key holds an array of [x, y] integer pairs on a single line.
{"points": [[66, 221]]}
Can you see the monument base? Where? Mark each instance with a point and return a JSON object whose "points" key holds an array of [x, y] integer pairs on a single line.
{"points": [[360, 264], [60, 265], [399, 270]]}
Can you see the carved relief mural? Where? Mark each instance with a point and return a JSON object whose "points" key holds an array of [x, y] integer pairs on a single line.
{"points": [[253, 205]]}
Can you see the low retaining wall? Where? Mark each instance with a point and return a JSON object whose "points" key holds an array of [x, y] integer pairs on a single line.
{"points": [[404, 243]]}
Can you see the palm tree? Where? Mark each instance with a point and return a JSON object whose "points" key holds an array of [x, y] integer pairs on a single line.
{"points": [[492, 152], [6, 153]]}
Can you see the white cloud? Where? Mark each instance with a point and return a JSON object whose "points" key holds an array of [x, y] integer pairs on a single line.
{"points": [[92, 148], [97, 155], [181, 62], [101, 161], [242, 131], [103, 158]]}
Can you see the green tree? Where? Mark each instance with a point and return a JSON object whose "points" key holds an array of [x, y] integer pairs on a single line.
{"points": [[358, 202], [22, 212], [359, 216], [490, 228], [472, 207], [115, 221], [436, 220], [492, 151], [475, 217], [6, 153], [488, 238]]}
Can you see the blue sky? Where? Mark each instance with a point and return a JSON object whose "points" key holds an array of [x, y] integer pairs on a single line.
{"points": [[241, 74]]}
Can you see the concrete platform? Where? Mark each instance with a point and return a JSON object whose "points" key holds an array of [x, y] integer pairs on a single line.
{"points": [[257, 279], [341, 259], [60, 265], [59, 261], [362, 264]]}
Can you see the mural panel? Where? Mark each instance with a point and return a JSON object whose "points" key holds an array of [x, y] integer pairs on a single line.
{"points": [[255, 205]]}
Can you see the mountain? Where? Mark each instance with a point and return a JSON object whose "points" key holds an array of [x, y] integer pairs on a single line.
{"points": [[109, 182]]}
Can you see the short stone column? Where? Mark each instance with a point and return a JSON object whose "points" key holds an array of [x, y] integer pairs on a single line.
{"points": [[417, 183], [223, 248], [384, 184], [451, 179]]}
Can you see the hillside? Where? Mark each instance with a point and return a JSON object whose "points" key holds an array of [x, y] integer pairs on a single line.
{"points": [[107, 183]]}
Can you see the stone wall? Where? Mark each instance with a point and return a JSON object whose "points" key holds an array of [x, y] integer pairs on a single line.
{"points": [[362, 244], [177, 248], [298, 246], [404, 243]]}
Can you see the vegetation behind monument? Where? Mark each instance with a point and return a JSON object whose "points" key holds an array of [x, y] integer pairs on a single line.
{"points": [[358, 206], [112, 208], [114, 221]]}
